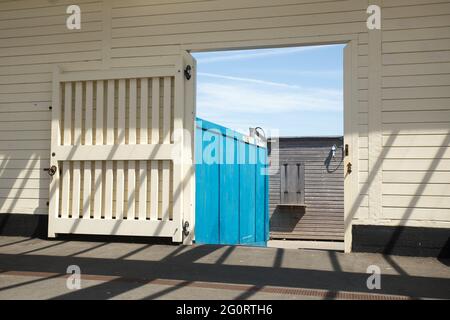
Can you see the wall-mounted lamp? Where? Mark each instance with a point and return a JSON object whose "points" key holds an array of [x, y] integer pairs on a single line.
{"points": [[333, 151]]}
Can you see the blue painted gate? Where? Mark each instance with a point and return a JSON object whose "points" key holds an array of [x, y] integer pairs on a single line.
{"points": [[231, 187]]}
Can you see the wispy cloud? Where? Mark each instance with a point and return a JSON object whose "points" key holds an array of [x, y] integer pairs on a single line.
{"points": [[249, 80], [251, 54], [262, 97]]}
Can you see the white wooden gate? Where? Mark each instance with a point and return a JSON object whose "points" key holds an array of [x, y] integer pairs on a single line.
{"points": [[118, 147]]}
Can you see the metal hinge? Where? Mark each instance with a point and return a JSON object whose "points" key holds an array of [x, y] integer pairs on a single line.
{"points": [[188, 72]]}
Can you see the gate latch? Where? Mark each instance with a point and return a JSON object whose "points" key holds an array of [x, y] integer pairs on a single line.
{"points": [[188, 72], [186, 228], [51, 171]]}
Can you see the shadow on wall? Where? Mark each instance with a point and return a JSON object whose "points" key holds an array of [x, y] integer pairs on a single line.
{"points": [[284, 219]]}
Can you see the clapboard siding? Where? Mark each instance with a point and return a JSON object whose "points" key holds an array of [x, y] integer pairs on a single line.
{"points": [[323, 216], [33, 37], [414, 84], [416, 111]]}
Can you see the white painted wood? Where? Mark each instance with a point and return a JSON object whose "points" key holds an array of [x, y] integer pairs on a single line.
{"points": [[98, 185], [98, 190], [68, 114], [142, 187], [54, 191], [76, 166], [109, 178], [165, 203], [112, 227], [121, 132], [119, 152], [155, 111], [65, 202], [131, 197], [143, 213], [108, 190], [154, 189], [143, 135], [120, 191], [87, 191]]}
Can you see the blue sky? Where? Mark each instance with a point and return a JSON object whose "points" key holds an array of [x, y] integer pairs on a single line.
{"points": [[287, 91]]}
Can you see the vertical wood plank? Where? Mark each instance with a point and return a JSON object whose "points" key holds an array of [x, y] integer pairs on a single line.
{"points": [[109, 179], [68, 113], [55, 141], [154, 180], [108, 192], [142, 210], [98, 186], [167, 109], [78, 115], [167, 99], [87, 195], [99, 114], [131, 208], [143, 139], [76, 180], [132, 112], [155, 110], [120, 190], [76, 170], [154, 166], [65, 192], [121, 118], [110, 114], [143, 136], [120, 174], [132, 191], [88, 124]]}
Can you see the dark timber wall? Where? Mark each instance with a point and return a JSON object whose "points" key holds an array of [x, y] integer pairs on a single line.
{"points": [[321, 215]]}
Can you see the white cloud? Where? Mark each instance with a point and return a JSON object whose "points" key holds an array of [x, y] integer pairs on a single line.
{"points": [[244, 95], [251, 54]]}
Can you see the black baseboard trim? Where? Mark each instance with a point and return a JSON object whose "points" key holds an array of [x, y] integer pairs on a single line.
{"points": [[404, 241], [24, 225]]}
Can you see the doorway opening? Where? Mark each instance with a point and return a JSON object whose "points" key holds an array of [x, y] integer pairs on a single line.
{"points": [[296, 96]]}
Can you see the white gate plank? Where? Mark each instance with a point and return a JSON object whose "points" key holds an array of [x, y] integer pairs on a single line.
{"points": [[120, 174], [98, 185], [68, 113], [76, 170], [56, 140], [142, 210], [154, 190], [143, 139], [155, 110], [120, 190], [131, 212], [88, 141], [78, 115], [108, 193], [166, 140], [109, 179], [65, 192], [131, 199], [143, 136], [132, 112], [154, 173], [99, 114]]}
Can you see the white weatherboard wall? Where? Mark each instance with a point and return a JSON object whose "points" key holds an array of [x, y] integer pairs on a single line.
{"points": [[403, 79]]}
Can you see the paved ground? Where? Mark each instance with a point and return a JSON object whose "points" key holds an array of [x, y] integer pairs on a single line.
{"points": [[36, 269]]}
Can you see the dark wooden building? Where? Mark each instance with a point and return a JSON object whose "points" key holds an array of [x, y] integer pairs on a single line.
{"points": [[306, 196]]}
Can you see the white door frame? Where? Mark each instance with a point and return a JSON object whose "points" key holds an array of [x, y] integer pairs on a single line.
{"points": [[351, 129]]}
